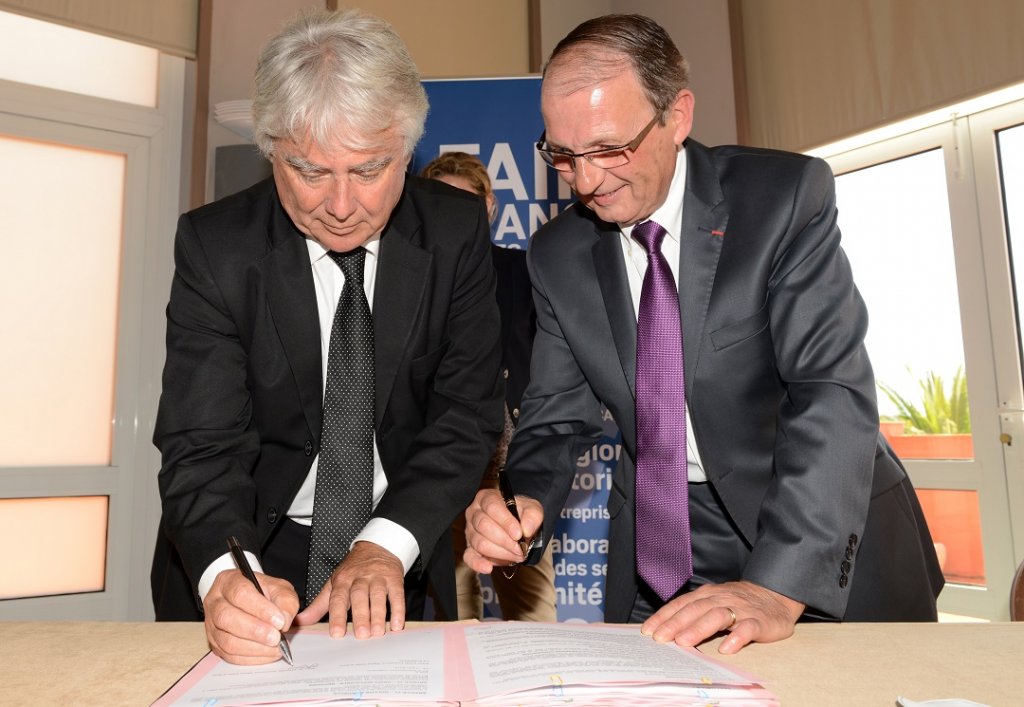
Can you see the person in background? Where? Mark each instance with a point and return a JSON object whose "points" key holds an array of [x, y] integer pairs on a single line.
{"points": [[331, 391], [702, 295], [529, 594]]}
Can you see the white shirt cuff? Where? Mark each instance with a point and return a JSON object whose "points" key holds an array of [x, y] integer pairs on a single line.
{"points": [[224, 562], [380, 531], [393, 538]]}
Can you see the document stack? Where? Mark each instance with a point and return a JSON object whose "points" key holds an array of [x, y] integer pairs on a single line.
{"points": [[491, 663]]}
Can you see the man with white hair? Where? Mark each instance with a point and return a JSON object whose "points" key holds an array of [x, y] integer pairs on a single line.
{"points": [[335, 427]]}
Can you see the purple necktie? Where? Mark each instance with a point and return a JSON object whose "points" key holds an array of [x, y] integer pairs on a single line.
{"points": [[663, 557]]}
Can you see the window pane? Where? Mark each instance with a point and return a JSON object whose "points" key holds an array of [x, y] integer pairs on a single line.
{"points": [[60, 232], [65, 552], [891, 215], [1011, 169], [54, 56], [955, 523]]}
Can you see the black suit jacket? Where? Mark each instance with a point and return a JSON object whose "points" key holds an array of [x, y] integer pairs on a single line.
{"points": [[518, 322], [240, 414], [778, 384]]}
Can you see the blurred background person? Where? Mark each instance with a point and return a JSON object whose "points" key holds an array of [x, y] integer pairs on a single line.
{"points": [[528, 593]]}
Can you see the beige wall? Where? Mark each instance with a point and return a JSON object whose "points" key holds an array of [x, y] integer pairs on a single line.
{"points": [[823, 71], [700, 28], [456, 38], [559, 17], [240, 28]]}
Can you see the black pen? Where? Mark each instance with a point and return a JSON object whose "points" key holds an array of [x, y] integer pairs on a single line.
{"points": [[243, 566], [510, 502]]}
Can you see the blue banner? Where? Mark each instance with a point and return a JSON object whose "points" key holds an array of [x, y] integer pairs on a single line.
{"points": [[499, 121]]}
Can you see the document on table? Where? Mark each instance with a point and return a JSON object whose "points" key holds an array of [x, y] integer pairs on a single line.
{"points": [[489, 663]]}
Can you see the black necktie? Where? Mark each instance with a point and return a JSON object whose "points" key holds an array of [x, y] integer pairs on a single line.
{"points": [[344, 476]]}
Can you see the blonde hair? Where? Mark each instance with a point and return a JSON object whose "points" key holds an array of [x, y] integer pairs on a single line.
{"points": [[470, 168]]}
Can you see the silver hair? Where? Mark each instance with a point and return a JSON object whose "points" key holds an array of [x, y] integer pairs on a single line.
{"points": [[342, 77]]}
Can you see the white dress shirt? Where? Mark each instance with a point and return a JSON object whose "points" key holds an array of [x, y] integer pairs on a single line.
{"points": [[670, 217]]}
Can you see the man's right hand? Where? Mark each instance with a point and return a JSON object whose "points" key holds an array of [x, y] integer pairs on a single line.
{"points": [[493, 534], [242, 625]]}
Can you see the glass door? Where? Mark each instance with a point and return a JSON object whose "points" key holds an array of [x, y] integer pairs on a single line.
{"points": [[998, 139], [908, 210]]}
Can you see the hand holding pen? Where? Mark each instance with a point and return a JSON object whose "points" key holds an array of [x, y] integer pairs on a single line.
{"points": [[525, 543], [243, 565]]}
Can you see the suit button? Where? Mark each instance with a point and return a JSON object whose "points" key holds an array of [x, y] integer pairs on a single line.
{"points": [[845, 567], [515, 414], [849, 553], [504, 374], [308, 449], [853, 539], [843, 581], [271, 515]]}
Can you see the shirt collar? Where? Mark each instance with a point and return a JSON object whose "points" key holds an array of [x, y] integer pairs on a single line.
{"points": [[670, 214], [317, 251]]}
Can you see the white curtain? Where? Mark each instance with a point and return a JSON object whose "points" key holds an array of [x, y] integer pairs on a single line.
{"points": [[821, 70], [167, 25]]}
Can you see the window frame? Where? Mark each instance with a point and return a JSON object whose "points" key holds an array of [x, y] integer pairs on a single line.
{"points": [[991, 359], [151, 140]]}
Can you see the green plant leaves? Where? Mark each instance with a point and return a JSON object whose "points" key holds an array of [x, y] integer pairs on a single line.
{"points": [[939, 413]]}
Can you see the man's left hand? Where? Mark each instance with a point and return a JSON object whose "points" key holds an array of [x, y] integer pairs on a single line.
{"points": [[367, 581], [746, 610]]}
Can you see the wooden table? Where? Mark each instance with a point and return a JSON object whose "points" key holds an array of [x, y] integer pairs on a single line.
{"points": [[110, 663]]}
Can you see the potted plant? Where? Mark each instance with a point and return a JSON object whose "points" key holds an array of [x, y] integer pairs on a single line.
{"points": [[940, 428]]}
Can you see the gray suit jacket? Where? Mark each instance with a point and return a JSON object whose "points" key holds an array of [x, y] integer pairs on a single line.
{"points": [[778, 382]]}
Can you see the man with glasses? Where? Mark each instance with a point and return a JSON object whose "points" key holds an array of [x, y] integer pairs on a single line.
{"points": [[701, 295]]}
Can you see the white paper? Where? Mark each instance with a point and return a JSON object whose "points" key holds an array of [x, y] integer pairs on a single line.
{"points": [[337, 669], [493, 663], [513, 656]]}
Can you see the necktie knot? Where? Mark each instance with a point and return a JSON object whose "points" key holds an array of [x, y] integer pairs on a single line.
{"points": [[351, 263], [649, 234]]}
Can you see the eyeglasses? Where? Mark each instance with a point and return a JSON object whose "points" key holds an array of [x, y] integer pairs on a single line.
{"points": [[605, 158]]}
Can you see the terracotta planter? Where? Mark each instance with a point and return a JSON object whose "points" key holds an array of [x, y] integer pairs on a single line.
{"points": [[958, 446], [955, 523], [891, 428], [953, 516]]}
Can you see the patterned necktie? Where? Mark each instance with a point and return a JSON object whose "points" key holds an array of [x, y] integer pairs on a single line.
{"points": [[663, 556], [344, 476]]}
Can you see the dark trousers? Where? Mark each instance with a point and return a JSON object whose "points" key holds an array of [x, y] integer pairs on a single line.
{"points": [[719, 552]]}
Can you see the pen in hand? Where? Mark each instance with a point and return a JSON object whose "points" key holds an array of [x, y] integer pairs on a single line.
{"points": [[243, 565], [525, 544]]}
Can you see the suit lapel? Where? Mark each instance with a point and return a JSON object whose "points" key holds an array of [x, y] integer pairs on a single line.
{"points": [[292, 300], [402, 269], [618, 301], [705, 216]]}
